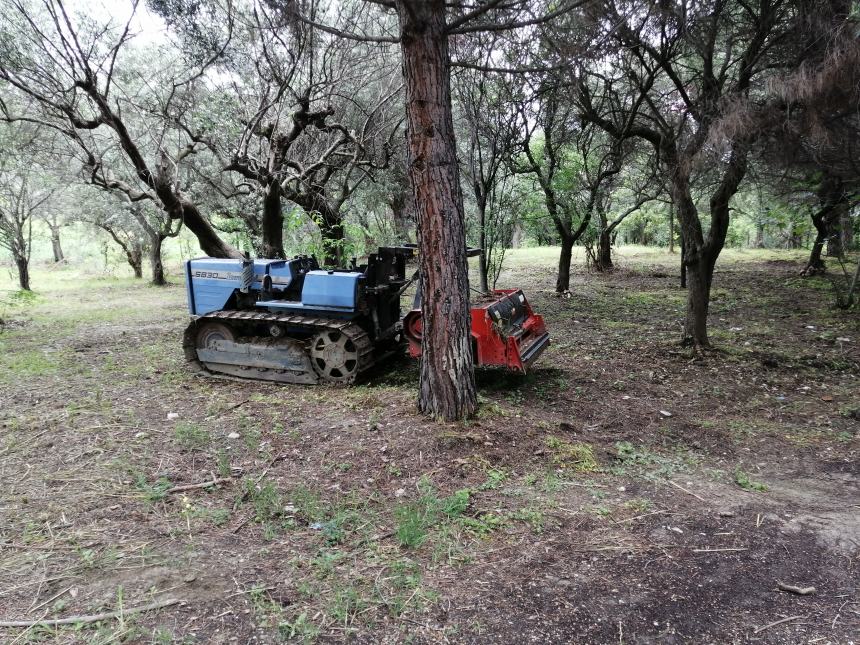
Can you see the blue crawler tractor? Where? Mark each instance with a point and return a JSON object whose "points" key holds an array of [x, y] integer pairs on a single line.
{"points": [[293, 322]]}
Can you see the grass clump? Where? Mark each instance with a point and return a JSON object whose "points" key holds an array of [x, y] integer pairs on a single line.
{"points": [[743, 480], [155, 491], [416, 519], [191, 436], [572, 456]]}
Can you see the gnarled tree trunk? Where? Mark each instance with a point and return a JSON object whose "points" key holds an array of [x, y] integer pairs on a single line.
{"points": [[562, 283], [23, 265], [134, 257], [825, 220], [447, 382], [604, 250], [273, 222], [56, 247], [156, 262]]}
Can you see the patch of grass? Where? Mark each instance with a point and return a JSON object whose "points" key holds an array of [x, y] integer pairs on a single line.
{"points": [[265, 499], [222, 464], [300, 628], [92, 559], [324, 565], [413, 523], [568, 456], [601, 510], [485, 523], [403, 588], [740, 430], [190, 436], [648, 463], [347, 604], [26, 363], [490, 409], [638, 505], [495, 478], [270, 613], [743, 480], [414, 520], [309, 506], [155, 491], [533, 517]]}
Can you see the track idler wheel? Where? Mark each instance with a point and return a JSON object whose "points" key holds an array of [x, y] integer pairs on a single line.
{"points": [[334, 357], [210, 332]]}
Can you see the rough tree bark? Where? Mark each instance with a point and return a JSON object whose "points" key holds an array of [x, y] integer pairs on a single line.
{"points": [[273, 222], [700, 252], [447, 382], [156, 262], [831, 197], [23, 266], [56, 247], [671, 227], [604, 250], [562, 283], [132, 249], [134, 256]]}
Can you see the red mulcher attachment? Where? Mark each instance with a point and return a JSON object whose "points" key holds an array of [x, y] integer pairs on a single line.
{"points": [[505, 331]]}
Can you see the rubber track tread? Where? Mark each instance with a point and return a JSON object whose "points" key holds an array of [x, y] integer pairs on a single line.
{"points": [[355, 333]]}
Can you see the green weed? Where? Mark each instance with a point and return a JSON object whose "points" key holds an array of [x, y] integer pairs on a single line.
{"points": [[191, 436], [743, 480], [415, 519], [155, 491], [577, 457], [301, 629]]}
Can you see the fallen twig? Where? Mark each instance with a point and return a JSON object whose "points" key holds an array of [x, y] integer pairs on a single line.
{"points": [[27, 441], [775, 623], [679, 487], [54, 597], [225, 411], [800, 591], [718, 550], [838, 612], [639, 517], [213, 482], [92, 618]]}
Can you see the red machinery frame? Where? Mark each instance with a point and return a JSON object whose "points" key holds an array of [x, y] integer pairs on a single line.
{"points": [[505, 332]]}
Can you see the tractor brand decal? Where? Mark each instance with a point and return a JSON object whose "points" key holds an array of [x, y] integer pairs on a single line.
{"points": [[237, 277]]}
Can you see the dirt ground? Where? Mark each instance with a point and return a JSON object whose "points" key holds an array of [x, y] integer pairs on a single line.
{"points": [[621, 493]]}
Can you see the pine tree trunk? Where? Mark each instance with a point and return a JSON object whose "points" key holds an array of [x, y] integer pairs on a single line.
{"points": [[834, 236], [563, 283], [447, 382], [815, 264], [156, 262], [273, 223], [483, 267], [23, 272]]}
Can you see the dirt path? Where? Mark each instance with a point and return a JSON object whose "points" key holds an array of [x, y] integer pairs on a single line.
{"points": [[620, 494]]}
